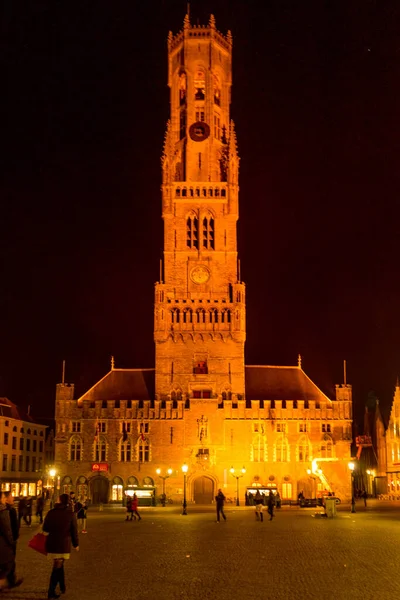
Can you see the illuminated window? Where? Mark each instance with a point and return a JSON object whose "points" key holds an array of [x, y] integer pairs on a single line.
{"points": [[281, 450], [192, 232], [100, 449], [200, 85], [286, 491], [303, 450], [75, 448], [326, 448], [258, 449], [125, 451], [144, 452]]}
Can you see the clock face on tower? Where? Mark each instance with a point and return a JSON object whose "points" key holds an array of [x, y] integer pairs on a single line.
{"points": [[200, 274], [199, 131]]}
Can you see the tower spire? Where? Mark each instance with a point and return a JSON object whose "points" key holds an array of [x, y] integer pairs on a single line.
{"points": [[299, 361]]}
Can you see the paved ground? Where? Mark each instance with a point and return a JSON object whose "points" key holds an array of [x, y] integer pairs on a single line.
{"points": [[167, 556]]}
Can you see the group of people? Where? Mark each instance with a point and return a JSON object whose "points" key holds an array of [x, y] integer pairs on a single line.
{"points": [[132, 508], [259, 500], [61, 527]]}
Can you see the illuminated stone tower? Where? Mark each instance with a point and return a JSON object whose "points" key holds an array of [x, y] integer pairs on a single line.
{"points": [[199, 316]]}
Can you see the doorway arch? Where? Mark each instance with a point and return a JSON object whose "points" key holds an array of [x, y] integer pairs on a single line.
{"points": [[203, 490], [99, 490]]}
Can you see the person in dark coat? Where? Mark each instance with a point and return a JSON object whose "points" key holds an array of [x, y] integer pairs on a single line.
{"points": [[40, 507], [28, 519], [135, 503], [7, 556], [220, 499], [129, 514], [271, 504], [14, 522], [60, 523], [22, 510]]}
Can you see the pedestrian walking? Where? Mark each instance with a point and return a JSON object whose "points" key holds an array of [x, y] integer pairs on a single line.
{"points": [[365, 496], [271, 504], [22, 511], [259, 506], [129, 514], [14, 522], [81, 513], [220, 500], [134, 509], [61, 525], [28, 511], [278, 500], [39, 508]]}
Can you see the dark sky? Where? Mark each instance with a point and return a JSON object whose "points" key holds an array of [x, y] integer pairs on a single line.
{"points": [[84, 107]]}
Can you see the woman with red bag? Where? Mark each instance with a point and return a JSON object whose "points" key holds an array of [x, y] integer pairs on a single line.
{"points": [[60, 523]]}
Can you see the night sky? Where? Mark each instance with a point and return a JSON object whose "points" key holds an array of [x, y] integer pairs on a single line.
{"points": [[85, 102]]}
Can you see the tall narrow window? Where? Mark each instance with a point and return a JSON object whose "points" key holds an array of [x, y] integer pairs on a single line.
{"points": [[126, 451], [100, 450], [182, 89], [217, 91], [75, 448], [144, 452], [182, 124], [208, 233], [192, 232], [200, 85]]}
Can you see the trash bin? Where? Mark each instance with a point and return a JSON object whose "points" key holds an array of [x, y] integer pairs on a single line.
{"points": [[330, 507]]}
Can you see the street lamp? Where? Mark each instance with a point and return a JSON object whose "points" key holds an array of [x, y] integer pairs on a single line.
{"points": [[232, 471], [353, 501], [184, 471], [53, 473], [163, 477]]}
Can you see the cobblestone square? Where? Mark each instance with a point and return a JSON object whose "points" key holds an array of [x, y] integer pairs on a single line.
{"points": [[173, 557]]}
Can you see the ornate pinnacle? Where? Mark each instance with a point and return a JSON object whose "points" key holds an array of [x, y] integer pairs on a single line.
{"points": [[211, 22], [186, 22]]}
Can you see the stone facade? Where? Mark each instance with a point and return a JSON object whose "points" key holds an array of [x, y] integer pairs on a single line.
{"points": [[201, 405]]}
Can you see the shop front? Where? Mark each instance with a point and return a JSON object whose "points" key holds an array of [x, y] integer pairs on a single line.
{"points": [[22, 487]]}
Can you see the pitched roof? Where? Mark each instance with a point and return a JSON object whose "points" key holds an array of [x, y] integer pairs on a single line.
{"points": [[280, 383], [11, 410], [123, 384]]}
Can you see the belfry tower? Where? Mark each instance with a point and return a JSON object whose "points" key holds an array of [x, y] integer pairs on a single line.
{"points": [[200, 314]]}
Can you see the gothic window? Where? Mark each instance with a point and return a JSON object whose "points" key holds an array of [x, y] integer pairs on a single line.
{"points": [[192, 232], [226, 316], [213, 314], [179, 395], [100, 449], [303, 449], [201, 315], [125, 451], [200, 85], [187, 315], [144, 451], [75, 448], [182, 88], [208, 233], [182, 124], [281, 450], [258, 450], [326, 448], [217, 91]]}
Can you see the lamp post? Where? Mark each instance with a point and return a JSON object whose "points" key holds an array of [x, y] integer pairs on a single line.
{"points": [[163, 477], [353, 501], [232, 472], [184, 471], [53, 473]]}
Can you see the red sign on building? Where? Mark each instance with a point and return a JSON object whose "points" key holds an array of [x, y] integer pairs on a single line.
{"points": [[100, 467]]}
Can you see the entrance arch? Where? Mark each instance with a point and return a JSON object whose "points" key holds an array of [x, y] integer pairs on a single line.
{"points": [[203, 490], [99, 490]]}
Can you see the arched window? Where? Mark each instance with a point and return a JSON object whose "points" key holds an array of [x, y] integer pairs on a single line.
{"points": [[282, 450], [192, 232], [175, 315], [217, 91], [326, 448], [208, 233], [187, 315], [200, 85], [182, 88], [14, 428], [75, 448], [143, 451], [226, 316], [303, 449], [100, 449], [125, 451], [258, 450], [201, 315]]}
